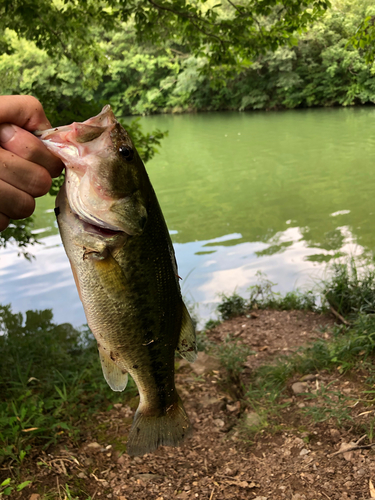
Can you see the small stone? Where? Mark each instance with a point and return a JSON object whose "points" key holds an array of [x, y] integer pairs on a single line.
{"points": [[252, 419], [121, 460], [93, 445], [205, 364], [254, 315], [299, 387], [137, 460], [304, 452], [218, 422], [34, 496], [235, 407], [335, 435], [301, 405], [81, 475], [361, 472], [309, 378], [118, 406]]}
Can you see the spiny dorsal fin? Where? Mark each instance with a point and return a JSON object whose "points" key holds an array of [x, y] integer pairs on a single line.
{"points": [[115, 377], [187, 345]]}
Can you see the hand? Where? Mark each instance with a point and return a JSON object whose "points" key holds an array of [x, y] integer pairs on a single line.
{"points": [[26, 166]]}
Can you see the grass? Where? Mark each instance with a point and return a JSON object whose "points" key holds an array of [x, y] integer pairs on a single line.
{"points": [[50, 378], [350, 290], [262, 296], [50, 375]]}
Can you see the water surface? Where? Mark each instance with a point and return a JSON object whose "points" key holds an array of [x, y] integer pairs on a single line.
{"points": [[280, 192]]}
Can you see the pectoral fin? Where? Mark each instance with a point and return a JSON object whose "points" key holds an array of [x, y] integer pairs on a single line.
{"points": [[115, 377], [187, 345]]}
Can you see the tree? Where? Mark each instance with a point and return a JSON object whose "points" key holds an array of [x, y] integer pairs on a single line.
{"points": [[230, 34], [227, 33]]}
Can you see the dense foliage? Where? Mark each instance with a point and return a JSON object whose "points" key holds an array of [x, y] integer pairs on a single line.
{"points": [[228, 32], [50, 377], [322, 68], [98, 56]]}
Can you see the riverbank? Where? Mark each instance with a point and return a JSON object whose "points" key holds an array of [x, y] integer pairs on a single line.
{"points": [[280, 399], [244, 445]]}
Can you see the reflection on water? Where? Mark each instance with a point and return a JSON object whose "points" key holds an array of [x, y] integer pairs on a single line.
{"points": [[283, 193], [47, 281]]}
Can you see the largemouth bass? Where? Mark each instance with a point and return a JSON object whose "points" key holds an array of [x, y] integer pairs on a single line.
{"points": [[125, 270]]}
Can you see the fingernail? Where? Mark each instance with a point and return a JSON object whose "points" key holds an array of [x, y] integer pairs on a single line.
{"points": [[6, 132]]}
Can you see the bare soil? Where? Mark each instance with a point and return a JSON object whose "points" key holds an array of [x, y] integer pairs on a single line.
{"points": [[287, 456]]}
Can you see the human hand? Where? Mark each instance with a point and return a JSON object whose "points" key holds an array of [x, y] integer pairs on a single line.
{"points": [[26, 166]]}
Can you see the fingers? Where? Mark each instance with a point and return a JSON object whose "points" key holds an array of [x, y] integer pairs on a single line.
{"points": [[24, 175], [24, 111], [15, 204], [26, 166], [30, 148], [4, 222]]}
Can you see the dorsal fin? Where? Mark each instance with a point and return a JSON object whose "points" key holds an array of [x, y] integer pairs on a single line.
{"points": [[187, 345], [116, 378]]}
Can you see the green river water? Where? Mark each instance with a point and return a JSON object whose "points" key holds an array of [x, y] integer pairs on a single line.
{"points": [[280, 192]]}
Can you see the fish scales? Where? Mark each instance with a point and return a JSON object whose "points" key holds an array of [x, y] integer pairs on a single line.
{"points": [[123, 263]]}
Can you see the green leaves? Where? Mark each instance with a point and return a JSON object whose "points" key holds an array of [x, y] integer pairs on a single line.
{"points": [[225, 33]]}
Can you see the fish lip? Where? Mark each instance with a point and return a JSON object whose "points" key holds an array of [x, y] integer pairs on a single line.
{"points": [[44, 135]]}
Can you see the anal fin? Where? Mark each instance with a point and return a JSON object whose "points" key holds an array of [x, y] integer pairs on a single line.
{"points": [[116, 378], [187, 345]]}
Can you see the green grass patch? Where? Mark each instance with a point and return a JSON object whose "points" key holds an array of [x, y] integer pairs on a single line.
{"points": [[50, 378]]}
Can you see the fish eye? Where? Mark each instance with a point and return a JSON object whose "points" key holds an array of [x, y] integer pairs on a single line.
{"points": [[126, 152]]}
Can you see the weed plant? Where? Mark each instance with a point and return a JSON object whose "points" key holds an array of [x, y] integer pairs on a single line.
{"points": [[50, 378], [262, 296], [231, 306], [350, 291]]}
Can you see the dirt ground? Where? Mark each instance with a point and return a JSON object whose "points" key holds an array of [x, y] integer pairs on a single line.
{"points": [[288, 457]]}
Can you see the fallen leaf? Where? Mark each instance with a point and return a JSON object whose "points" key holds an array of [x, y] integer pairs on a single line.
{"points": [[93, 445]]}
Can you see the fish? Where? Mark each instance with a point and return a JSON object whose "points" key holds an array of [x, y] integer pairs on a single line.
{"points": [[125, 270]]}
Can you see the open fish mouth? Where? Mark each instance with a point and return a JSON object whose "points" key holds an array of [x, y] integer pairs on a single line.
{"points": [[102, 231]]}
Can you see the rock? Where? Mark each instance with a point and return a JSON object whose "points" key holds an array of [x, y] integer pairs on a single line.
{"points": [[252, 419], [205, 363], [218, 422], [34, 496], [147, 477], [304, 452], [118, 406], [299, 387], [335, 435], [309, 378], [348, 455], [235, 407], [82, 475], [121, 460], [93, 445]]}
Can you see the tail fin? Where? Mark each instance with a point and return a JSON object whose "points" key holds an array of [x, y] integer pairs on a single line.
{"points": [[150, 432]]}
